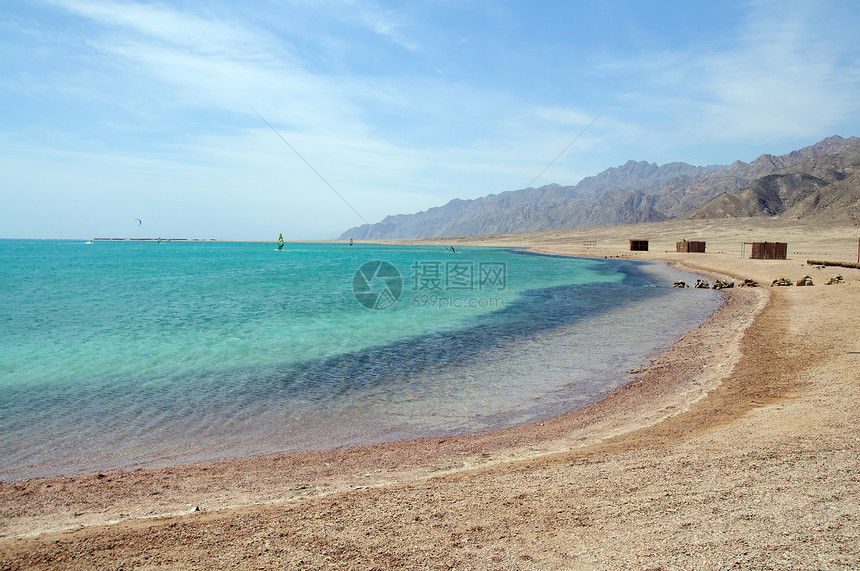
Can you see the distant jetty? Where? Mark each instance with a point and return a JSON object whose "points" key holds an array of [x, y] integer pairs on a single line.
{"points": [[155, 239]]}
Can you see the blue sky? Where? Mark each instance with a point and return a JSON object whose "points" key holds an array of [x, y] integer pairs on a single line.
{"points": [[116, 110]]}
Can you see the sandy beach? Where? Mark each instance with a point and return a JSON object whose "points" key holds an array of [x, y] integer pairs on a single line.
{"points": [[736, 448]]}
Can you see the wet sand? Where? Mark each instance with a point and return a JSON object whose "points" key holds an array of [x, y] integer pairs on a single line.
{"points": [[737, 447]]}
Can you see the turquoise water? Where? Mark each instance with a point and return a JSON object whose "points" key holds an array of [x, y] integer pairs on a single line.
{"points": [[129, 354]]}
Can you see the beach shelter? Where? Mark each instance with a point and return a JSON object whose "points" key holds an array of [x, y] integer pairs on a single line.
{"points": [[692, 246], [769, 251]]}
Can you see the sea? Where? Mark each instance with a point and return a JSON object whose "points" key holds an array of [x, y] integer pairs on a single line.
{"points": [[122, 354]]}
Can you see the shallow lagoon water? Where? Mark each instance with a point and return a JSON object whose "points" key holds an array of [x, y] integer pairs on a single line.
{"points": [[130, 354]]}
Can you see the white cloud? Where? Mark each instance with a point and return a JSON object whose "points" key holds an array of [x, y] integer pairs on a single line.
{"points": [[383, 22], [182, 29], [164, 62], [188, 61], [781, 75], [782, 80], [166, 98]]}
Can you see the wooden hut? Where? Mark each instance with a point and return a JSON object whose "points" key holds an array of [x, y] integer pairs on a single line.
{"points": [[638, 245], [692, 246], [769, 251]]}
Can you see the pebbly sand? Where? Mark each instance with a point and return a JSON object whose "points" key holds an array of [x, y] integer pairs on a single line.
{"points": [[738, 447]]}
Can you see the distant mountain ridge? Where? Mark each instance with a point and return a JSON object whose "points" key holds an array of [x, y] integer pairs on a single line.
{"points": [[823, 188], [634, 192]]}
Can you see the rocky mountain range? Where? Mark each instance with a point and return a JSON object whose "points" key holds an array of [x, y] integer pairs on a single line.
{"points": [[818, 181], [825, 188]]}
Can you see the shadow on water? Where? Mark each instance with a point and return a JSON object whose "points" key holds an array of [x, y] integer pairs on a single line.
{"points": [[533, 314]]}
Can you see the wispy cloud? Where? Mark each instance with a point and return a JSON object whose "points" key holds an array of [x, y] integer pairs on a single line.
{"points": [[120, 87], [782, 80], [383, 22], [780, 75], [189, 61]]}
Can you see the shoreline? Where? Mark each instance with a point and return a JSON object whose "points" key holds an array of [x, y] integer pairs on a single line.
{"points": [[613, 414], [580, 381], [687, 403]]}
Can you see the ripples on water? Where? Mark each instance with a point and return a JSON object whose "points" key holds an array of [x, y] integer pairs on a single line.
{"points": [[194, 358]]}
